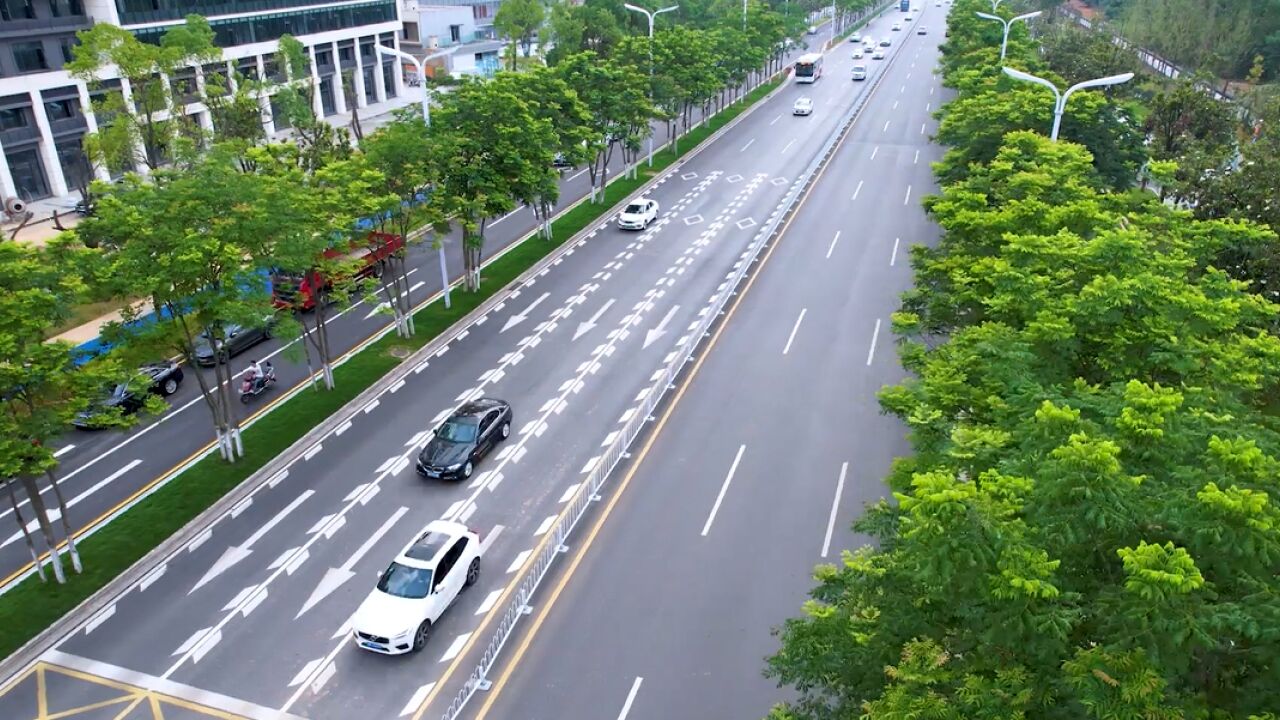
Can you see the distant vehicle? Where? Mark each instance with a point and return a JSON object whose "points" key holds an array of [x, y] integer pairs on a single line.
{"points": [[803, 106], [809, 68], [886, 42], [878, 54], [896, 27], [238, 339], [907, 18], [813, 29], [856, 37], [868, 42], [129, 396], [292, 291], [638, 214], [922, 31], [858, 54], [859, 72], [560, 162], [416, 588], [465, 438], [904, 5]]}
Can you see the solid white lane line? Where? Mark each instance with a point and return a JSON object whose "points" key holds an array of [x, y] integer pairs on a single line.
{"points": [[800, 319], [577, 174], [418, 696], [631, 697], [833, 244], [744, 147], [906, 198], [504, 217], [723, 489], [835, 507], [788, 147], [53, 513], [857, 190], [894, 257], [874, 150], [874, 335]]}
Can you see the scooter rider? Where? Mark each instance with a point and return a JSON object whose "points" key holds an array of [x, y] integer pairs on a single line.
{"points": [[254, 375]]}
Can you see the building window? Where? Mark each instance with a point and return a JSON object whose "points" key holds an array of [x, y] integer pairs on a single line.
{"points": [[66, 8], [67, 45], [28, 174], [346, 54], [29, 57], [455, 33], [75, 166], [370, 88], [388, 79], [17, 10], [324, 58], [62, 109], [15, 118], [279, 116]]}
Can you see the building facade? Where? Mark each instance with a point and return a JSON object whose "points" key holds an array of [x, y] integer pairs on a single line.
{"points": [[44, 113]]}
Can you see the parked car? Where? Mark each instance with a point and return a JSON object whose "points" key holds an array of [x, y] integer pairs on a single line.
{"points": [[638, 214], [155, 378], [238, 339], [465, 438], [859, 72], [416, 588], [803, 106]]}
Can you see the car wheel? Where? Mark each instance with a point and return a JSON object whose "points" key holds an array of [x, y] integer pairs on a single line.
{"points": [[505, 430], [466, 470], [473, 572], [420, 637], [169, 387]]}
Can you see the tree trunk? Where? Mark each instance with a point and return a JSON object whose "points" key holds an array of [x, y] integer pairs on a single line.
{"points": [[46, 530], [66, 524], [26, 533]]}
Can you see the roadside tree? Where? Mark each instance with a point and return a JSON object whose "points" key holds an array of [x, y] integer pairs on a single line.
{"points": [[519, 21]]}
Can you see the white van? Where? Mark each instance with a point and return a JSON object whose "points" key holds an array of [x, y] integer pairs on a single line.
{"points": [[859, 72]]}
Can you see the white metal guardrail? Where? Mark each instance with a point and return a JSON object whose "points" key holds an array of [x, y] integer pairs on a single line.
{"points": [[589, 491]]}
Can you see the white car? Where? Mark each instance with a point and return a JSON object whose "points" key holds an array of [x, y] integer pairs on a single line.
{"points": [[878, 54], [907, 18], [415, 590], [638, 214], [859, 72], [869, 42], [896, 27], [858, 54], [922, 31], [856, 37], [803, 106]]}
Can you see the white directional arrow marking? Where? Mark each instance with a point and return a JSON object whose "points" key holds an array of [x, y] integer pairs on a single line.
{"points": [[335, 577], [661, 330], [235, 554], [585, 327], [524, 315], [377, 309]]}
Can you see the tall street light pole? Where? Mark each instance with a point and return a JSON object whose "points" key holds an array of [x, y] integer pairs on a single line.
{"points": [[651, 16], [1004, 43], [426, 117], [1060, 98]]}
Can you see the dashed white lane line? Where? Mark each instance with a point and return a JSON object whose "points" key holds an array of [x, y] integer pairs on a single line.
{"points": [[886, 126], [916, 161], [788, 146], [455, 647], [519, 561], [906, 198], [489, 601], [832, 248], [100, 618], [418, 696], [545, 526], [871, 353], [857, 190], [568, 492], [835, 507], [723, 489], [894, 257], [631, 697], [795, 328], [874, 150], [63, 451], [744, 147], [775, 120]]}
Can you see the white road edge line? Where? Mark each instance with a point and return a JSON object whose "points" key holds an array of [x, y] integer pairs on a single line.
{"points": [[835, 506], [723, 489]]}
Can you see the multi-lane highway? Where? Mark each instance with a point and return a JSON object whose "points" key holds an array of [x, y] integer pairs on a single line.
{"points": [[718, 520], [100, 470]]}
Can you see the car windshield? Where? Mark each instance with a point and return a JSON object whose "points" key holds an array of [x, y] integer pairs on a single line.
{"points": [[459, 430], [406, 582], [634, 209]]}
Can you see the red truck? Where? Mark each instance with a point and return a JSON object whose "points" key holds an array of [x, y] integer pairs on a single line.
{"points": [[297, 291]]}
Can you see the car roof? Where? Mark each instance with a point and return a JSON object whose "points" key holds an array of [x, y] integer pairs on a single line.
{"points": [[426, 549], [479, 406]]}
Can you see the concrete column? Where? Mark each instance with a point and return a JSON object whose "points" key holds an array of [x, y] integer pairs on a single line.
{"points": [[398, 75], [357, 77], [379, 82], [91, 126], [317, 106], [339, 92], [139, 154], [7, 188], [48, 153]]}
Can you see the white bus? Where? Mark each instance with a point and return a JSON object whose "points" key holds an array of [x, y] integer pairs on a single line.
{"points": [[809, 68]]}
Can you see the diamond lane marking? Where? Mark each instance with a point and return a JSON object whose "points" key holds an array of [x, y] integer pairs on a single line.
{"points": [[689, 176], [745, 224], [693, 220], [779, 181], [734, 178]]}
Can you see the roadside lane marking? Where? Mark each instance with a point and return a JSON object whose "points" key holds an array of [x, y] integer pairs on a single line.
{"points": [[788, 146], [421, 693], [906, 198], [894, 257], [515, 564], [835, 507], [871, 353], [455, 647], [744, 147], [874, 150], [794, 328], [631, 697], [489, 601], [723, 489], [832, 248]]}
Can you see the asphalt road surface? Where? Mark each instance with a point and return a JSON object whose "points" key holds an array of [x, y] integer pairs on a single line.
{"points": [[251, 619]]}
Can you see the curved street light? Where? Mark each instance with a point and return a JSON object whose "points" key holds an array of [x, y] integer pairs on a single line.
{"points": [[1004, 43], [1060, 98], [651, 15]]}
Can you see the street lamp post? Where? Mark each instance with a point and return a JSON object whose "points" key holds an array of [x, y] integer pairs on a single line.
{"points": [[1004, 43], [426, 117], [651, 16], [1060, 98]]}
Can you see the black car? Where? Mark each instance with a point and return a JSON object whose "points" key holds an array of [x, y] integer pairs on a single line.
{"points": [[158, 378], [466, 437], [238, 339]]}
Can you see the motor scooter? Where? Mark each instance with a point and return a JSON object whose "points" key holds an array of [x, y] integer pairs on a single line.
{"points": [[259, 385]]}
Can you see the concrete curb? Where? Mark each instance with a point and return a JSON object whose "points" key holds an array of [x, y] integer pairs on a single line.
{"points": [[26, 656]]}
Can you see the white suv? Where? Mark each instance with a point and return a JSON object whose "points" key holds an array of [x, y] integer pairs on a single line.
{"points": [[415, 590]]}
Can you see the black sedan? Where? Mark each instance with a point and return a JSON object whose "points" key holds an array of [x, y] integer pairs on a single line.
{"points": [[238, 339], [129, 397], [466, 437]]}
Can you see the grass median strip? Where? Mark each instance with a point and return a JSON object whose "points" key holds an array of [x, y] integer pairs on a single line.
{"points": [[30, 607]]}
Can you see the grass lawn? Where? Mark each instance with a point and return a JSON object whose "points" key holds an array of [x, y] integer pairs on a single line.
{"points": [[32, 606]]}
